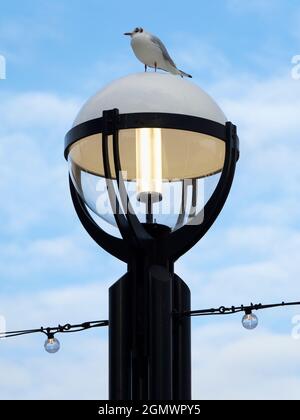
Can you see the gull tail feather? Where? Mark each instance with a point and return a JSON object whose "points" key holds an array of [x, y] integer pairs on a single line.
{"points": [[182, 74]]}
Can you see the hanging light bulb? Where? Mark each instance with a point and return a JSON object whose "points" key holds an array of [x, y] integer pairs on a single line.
{"points": [[149, 164], [249, 321], [52, 345]]}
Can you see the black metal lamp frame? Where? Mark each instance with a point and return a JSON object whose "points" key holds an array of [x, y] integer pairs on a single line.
{"points": [[149, 346]]}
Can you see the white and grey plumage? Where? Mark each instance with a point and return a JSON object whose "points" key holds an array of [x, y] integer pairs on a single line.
{"points": [[151, 51]]}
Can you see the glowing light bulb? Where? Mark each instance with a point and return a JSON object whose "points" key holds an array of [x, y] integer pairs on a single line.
{"points": [[149, 164], [250, 321], [52, 345]]}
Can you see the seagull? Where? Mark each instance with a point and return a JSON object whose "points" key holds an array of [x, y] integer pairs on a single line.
{"points": [[151, 51]]}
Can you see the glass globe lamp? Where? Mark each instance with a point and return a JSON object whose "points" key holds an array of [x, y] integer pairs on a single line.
{"points": [[171, 139]]}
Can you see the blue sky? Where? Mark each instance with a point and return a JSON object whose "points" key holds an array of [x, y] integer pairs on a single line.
{"points": [[59, 53]]}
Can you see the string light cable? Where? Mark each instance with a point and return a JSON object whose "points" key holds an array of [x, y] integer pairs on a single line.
{"points": [[249, 320], [52, 344]]}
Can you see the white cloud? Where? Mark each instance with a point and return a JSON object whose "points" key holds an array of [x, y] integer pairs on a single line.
{"points": [[82, 372], [33, 170], [230, 363], [200, 59], [37, 109], [82, 360], [62, 304], [31, 258], [251, 263]]}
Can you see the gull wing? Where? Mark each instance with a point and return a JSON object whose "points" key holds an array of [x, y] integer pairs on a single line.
{"points": [[163, 49]]}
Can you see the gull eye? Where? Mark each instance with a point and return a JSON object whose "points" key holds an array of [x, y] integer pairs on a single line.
{"points": [[141, 30], [136, 30]]}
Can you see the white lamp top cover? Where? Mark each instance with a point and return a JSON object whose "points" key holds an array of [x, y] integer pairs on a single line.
{"points": [[152, 92]]}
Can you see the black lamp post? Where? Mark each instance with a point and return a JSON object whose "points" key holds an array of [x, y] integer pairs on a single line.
{"points": [[151, 140]]}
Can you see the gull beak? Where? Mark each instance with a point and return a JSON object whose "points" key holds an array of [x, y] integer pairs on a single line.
{"points": [[127, 33]]}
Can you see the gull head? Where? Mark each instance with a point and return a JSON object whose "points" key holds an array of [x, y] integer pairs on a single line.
{"points": [[134, 32]]}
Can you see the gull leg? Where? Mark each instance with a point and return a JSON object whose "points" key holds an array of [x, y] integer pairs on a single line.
{"points": [[145, 68], [155, 66]]}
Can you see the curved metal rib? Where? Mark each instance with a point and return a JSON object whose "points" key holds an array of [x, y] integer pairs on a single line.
{"points": [[115, 246], [193, 208], [194, 197], [120, 219], [185, 238], [180, 220], [137, 228]]}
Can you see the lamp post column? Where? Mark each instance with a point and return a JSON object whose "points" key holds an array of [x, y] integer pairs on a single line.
{"points": [[149, 345]]}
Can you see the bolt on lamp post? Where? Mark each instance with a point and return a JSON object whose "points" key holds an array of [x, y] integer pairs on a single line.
{"points": [[153, 156]]}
